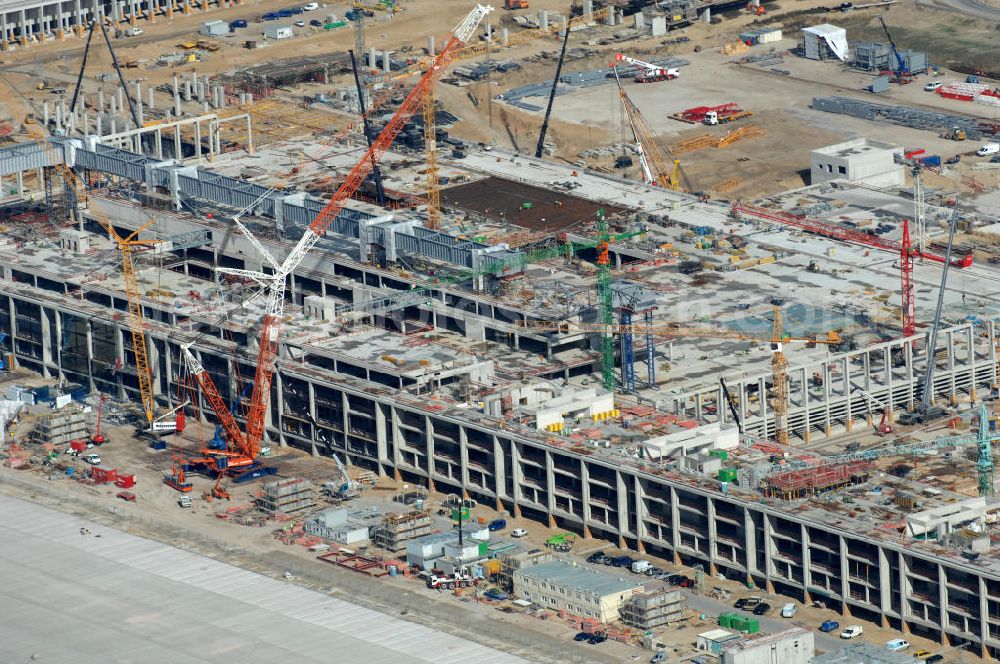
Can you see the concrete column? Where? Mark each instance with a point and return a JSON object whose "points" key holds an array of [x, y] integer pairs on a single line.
{"points": [[950, 355], [621, 495], [806, 423], [151, 104], [588, 11], [187, 90], [844, 574], [371, 57], [543, 19], [386, 62], [611, 18], [45, 113], [806, 564], [430, 45], [120, 94], [24, 28], [4, 38], [197, 140], [114, 106], [675, 523], [504, 36], [706, 16]]}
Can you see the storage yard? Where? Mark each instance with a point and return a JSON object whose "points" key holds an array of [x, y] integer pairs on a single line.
{"points": [[612, 332]]}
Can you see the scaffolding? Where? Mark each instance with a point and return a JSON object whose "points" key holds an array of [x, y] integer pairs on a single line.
{"points": [[808, 481], [60, 428], [393, 533], [651, 610], [287, 496]]}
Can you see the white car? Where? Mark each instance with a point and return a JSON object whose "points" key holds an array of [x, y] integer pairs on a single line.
{"points": [[789, 610], [300, 24], [518, 532], [932, 86], [851, 632], [93, 459], [897, 645], [311, 7]]}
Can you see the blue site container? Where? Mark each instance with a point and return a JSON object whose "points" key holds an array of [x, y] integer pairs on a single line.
{"points": [[702, 230], [934, 160]]}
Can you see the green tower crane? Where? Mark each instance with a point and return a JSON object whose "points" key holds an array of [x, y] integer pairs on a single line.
{"points": [[605, 302], [984, 465]]}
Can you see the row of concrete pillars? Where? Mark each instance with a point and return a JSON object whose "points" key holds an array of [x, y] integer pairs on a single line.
{"points": [[109, 113]]}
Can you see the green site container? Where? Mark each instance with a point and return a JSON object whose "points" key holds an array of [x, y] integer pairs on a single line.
{"points": [[728, 475], [527, 206], [465, 515], [726, 619], [719, 454], [334, 25], [484, 548], [752, 626]]}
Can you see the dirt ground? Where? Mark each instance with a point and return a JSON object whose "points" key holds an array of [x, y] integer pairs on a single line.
{"points": [[592, 118]]}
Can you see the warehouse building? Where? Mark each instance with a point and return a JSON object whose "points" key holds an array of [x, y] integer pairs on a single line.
{"points": [[864, 653], [559, 586], [860, 160], [793, 646]]}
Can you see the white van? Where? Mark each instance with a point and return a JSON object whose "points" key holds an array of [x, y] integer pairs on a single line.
{"points": [[851, 632], [988, 149], [133, 32]]}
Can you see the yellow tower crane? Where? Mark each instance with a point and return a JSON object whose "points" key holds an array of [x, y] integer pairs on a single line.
{"points": [[654, 167], [126, 245], [430, 156]]}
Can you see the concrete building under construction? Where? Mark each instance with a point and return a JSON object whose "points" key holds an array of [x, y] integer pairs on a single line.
{"points": [[505, 353]]}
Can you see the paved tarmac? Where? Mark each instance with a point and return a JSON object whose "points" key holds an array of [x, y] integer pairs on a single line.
{"points": [[76, 591]]}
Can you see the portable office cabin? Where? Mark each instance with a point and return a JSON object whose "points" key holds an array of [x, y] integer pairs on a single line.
{"points": [[214, 28], [278, 32]]}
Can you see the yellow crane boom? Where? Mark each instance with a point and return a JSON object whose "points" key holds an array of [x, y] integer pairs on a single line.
{"points": [[126, 245]]}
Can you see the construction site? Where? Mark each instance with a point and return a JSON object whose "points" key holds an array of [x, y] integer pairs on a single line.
{"points": [[409, 304]]}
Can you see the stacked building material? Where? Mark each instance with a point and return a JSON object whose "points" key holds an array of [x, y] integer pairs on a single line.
{"points": [[901, 115]]}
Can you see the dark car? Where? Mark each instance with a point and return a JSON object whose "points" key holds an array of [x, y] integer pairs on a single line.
{"points": [[653, 571], [596, 557], [284, 13], [271, 16], [829, 626], [597, 638], [316, 23], [582, 636], [934, 658], [761, 609], [296, 10], [496, 594], [740, 603], [686, 583], [238, 23], [623, 561], [497, 524], [675, 579]]}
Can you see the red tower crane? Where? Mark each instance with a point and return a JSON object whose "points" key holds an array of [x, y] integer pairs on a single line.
{"points": [[274, 282], [906, 277], [837, 232]]}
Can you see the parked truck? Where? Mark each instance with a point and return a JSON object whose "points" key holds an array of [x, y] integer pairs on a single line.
{"points": [[449, 581]]}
